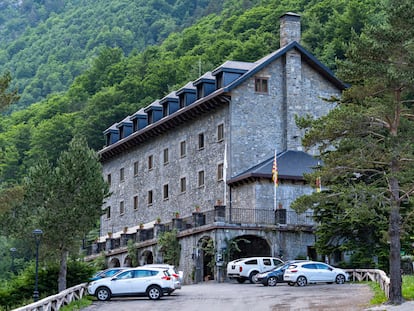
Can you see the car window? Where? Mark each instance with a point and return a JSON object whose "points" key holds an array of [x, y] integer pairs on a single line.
{"points": [[125, 275], [267, 262], [321, 266], [145, 273], [251, 262], [276, 262], [309, 266]]}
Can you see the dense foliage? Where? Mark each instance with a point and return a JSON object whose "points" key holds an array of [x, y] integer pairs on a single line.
{"points": [[46, 44], [366, 145]]}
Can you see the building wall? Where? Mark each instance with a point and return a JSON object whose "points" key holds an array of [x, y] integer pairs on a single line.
{"points": [[196, 160]]}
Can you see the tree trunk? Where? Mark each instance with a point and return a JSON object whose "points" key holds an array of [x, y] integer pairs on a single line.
{"points": [[63, 270], [395, 245]]}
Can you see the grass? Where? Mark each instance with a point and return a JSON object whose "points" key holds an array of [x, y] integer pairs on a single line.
{"points": [[78, 304], [407, 290]]}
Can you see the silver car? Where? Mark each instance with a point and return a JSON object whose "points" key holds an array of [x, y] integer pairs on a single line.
{"points": [[302, 273]]}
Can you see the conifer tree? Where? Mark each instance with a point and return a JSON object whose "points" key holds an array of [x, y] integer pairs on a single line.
{"points": [[367, 141]]}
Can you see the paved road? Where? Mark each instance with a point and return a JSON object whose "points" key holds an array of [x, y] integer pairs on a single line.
{"points": [[213, 296]]}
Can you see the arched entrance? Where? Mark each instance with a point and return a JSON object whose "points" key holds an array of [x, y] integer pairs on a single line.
{"points": [[128, 262], [146, 258], [207, 253], [114, 263], [248, 246]]}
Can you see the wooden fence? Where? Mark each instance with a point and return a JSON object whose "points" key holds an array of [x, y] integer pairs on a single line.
{"points": [[55, 302], [374, 275]]}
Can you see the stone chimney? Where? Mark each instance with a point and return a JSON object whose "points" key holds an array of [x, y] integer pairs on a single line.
{"points": [[289, 28]]}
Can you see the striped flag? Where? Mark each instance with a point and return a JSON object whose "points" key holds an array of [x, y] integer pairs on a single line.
{"points": [[318, 184], [275, 172]]}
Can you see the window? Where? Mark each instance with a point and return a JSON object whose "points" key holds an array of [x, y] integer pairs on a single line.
{"points": [[108, 212], [201, 141], [109, 179], [121, 207], [183, 150], [260, 85], [165, 155], [122, 174], [201, 178], [150, 162], [165, 192], [150, 198], [220, 171], [136, 168], [220, 132], [135, 203], [183, 185]]}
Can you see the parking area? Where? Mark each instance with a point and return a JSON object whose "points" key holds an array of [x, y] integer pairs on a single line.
{"points": [[210, 296]]}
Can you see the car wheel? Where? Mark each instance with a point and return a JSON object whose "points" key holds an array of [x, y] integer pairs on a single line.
{"points": [[301, 281], [103, 293], [291, 283], [340, 279], [251, 276], [272, 281], [240, 280], [154, 292], [255, 280]]}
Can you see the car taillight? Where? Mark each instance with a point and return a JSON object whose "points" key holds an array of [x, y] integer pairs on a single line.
{"points": [[167, 278], [175, 275], [295, 270], [240, 269]]}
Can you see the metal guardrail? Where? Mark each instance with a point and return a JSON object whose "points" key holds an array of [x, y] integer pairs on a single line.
{"points": [[374, 275], [55, 302]]}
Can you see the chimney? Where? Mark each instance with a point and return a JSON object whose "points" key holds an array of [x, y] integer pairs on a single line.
{"points": [[289, 28]]}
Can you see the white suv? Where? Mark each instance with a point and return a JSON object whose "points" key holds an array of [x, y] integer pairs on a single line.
{"points": [[246, 268], [151, 282]]}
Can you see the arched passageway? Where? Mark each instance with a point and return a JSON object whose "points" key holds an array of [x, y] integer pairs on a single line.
{"points": [[248, 246]]}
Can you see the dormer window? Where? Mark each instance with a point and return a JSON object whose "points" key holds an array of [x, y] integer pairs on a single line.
{"points": [[261, 85]]}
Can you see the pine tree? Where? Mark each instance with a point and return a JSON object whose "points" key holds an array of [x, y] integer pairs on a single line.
{"points": [[367, 141]]}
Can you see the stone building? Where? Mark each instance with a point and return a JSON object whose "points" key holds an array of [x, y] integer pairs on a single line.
{"points": [[200, 159]]}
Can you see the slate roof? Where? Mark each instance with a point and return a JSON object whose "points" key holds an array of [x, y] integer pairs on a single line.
{"points": [[217, 98], [291, 165]]}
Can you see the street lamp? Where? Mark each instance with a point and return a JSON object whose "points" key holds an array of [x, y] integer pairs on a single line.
{"points": [[37, 234], [12, 254]]}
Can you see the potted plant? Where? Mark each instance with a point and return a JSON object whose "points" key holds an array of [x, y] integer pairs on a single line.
{"points": [[177, 215], [110, 235], [141, 225], [125, 229], [158, 220], [197, 208]]}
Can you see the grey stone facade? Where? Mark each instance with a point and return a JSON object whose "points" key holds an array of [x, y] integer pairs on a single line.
{"points": [[253, 123]]}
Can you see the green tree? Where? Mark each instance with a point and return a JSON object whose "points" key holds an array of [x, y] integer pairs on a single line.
{"points": [[64, 201], [367, 139], [7, 97], [170, 247]]}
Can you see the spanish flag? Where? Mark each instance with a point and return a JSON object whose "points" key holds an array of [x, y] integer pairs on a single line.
{"points": [[318, 184]]}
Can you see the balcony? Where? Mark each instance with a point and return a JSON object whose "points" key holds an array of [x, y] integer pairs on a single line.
{"points": [[219, 216]]}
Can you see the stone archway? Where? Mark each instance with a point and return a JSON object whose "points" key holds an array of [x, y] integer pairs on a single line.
{"points": [[146, 258], [250, 246], [127, 262], [114, 263]]}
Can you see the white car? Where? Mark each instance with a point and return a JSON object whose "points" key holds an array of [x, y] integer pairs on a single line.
{"points": [[302, 273], [177, 275], [142, 281], [246, 268]]}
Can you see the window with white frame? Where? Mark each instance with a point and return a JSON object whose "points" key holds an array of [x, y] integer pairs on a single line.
{"points": [[201, 178], [220, 132]]}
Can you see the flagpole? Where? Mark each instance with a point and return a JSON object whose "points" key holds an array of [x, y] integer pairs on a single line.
{"points": [[274, 179]]}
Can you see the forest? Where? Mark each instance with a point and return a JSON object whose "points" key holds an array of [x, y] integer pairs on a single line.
{"points": [[81, 65]]}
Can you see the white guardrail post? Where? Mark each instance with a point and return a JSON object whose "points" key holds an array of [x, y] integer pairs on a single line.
{"points": [[55, 302], [374, 275]]}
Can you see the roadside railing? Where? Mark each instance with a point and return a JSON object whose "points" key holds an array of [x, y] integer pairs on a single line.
{"points": [[374, 275], [55, 302]]}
